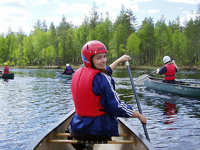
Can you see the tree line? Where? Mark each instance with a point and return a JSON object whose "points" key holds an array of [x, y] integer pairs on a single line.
{"points": [[146, 44]]}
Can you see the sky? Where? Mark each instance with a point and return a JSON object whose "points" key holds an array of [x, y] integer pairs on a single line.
{"points": [[24, 14]]}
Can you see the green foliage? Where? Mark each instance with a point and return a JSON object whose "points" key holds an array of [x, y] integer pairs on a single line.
{"points": [[133, 49], [62, 44]]}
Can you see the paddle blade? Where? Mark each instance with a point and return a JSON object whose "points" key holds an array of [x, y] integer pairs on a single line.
{"points": [[141, 78]]}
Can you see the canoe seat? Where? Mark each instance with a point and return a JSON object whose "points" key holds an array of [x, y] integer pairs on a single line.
{"points": [[91, 142]]}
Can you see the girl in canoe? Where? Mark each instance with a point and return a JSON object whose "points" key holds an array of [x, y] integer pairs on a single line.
{"points": [[97, 104], [169, 69]]}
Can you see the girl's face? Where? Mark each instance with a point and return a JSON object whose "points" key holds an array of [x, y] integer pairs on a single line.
{"points": [[99, 60]]}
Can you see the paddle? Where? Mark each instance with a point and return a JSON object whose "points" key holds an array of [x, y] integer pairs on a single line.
{"points": [[137, 100], [143, 77]]}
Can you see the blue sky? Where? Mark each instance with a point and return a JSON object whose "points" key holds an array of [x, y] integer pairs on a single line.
{"points": [[25, 13]]}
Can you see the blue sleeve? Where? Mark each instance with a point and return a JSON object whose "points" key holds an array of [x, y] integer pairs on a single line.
{"points": [[163, 70], [104, 85], [109, 70]]}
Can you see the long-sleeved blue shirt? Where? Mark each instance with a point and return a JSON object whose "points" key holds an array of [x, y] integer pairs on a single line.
{"points": [[104, 85]]}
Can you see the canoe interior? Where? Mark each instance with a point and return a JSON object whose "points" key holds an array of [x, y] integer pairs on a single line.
{"points": [[8, 76], [187, 84], [41, 143]]}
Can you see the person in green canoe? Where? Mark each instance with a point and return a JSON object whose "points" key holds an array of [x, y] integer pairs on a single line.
{"points": [[169, 69], [5, 70], [68, 70]]}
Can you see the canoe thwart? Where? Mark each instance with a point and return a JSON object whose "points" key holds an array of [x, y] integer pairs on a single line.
{"points": [[89, 142], [64, 134], [92, 142], [69, 135]]}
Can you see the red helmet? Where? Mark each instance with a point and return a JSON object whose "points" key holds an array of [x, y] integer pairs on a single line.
{"points": [[91, 48]]}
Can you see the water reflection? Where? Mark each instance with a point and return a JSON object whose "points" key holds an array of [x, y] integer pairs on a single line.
{"points": [[173, 120], [170, 111]]}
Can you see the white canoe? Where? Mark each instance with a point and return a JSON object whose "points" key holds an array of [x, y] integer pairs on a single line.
{"points": [[55, 138]]}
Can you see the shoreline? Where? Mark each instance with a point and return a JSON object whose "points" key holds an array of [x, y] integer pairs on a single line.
{"points": [[118, 67]]}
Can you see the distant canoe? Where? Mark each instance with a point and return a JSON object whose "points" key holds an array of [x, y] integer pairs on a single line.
{"points": [[8, 76], [64, 76], [55, 138], [181, 88]]}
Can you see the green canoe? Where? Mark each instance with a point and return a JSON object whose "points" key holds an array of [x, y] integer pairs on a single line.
{"points": [[181, 88], [8, 76], [64, 76]]}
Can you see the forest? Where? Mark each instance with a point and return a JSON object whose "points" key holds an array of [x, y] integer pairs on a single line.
{"points": [[146, 43]]}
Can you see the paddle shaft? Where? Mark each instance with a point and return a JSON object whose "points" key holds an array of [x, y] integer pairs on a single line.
{"points": [[153, 72], [137, 100]]}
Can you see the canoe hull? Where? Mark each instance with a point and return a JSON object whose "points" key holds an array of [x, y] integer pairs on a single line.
{"points": [[185, 89], [8, 76], [41, 143], [64, 76]]}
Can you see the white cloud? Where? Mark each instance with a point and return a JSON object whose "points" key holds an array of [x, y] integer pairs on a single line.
{"points": [[54, 19], [22, 2], [187, 17], [74, 13], [113, 7], [64, 8], [40, 2], [185, 1], [76, 21], [13, 14], [116, 5], [12, 3], [186, 12], [153, 11], [142, 12]]}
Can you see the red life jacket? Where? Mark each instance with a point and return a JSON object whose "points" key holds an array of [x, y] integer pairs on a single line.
{"points": [[171, 71], [7, 70], [86, 102]]}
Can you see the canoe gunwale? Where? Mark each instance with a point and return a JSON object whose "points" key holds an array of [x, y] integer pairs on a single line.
{"points": [[137, 133], [38, 140]]}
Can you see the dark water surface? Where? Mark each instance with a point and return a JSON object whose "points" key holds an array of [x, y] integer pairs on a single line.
{"points": [[35, 100]]}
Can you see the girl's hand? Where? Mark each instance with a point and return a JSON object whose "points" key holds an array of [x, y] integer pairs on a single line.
{"points": [[142, 118], [124, 58], [158, 71]]}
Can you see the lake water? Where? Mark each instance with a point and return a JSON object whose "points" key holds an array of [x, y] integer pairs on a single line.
{"points": [[35, 100]]}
